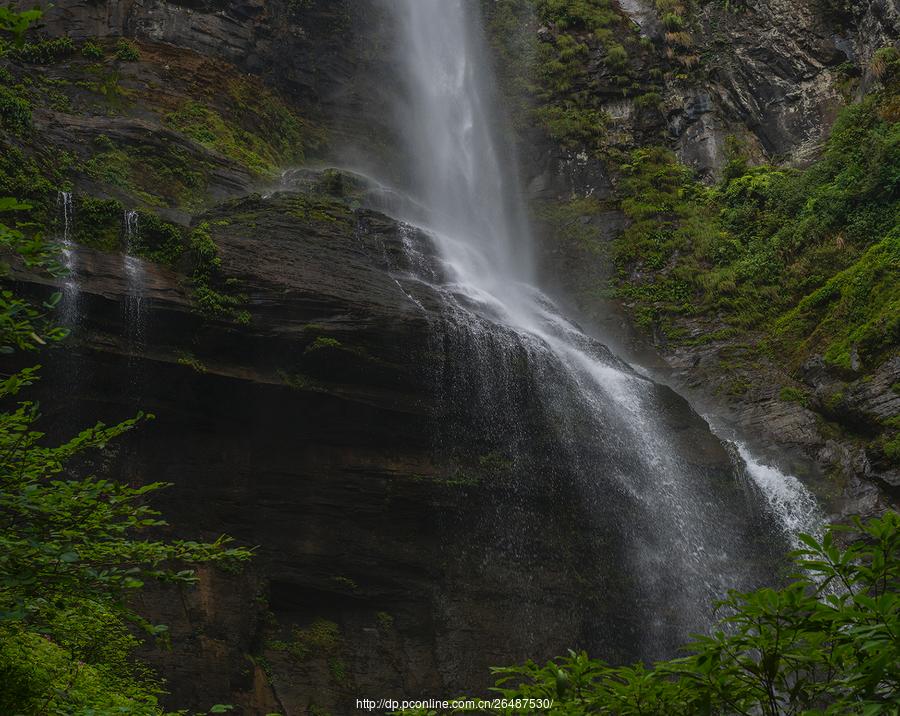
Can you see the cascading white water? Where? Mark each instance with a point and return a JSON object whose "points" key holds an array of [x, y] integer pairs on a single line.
{"points": [[71, 290], [473, 202], [134, 271], [682, 545], [134, 310], [793, 505]]}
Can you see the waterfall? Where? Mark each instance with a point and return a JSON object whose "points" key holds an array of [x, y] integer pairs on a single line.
{"points": [[671, 534], [134, 312], [134, 273], [791, 503], [71, 291]]}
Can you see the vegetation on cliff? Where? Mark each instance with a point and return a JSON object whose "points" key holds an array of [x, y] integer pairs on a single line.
{"points": [[776, 266], [74, 546], [810, 257]]}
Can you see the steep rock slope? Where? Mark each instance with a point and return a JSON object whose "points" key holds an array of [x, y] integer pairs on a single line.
{"points": [[300, 383]]}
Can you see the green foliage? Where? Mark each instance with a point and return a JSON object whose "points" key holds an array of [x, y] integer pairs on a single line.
{"points": [[99, 223], [71, 549], [552, 77], [22, 177], [171, 177], [25, 325], [74, 546], [809, 257], [885, 62], [158, 240], [617, 56], [891, 448], [207, 127], [188, 359], [16, 23], [577, 14], [15, 110], [385, 622], [110, 165], [278, 135], [127, 51], [855, 316], [826, 644]]}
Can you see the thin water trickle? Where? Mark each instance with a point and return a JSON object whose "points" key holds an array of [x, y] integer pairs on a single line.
{"points": [[71, 291], [135, 274], [685, 538]]}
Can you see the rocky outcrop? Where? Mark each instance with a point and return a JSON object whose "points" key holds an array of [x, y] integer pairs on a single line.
{"points": [[401, 548], [775, 73]]}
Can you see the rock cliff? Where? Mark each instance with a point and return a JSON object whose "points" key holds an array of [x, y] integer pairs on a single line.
{"points": [[300, 383]]}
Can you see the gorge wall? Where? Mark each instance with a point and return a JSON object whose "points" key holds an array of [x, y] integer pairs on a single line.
{"points": [[300, 388]]}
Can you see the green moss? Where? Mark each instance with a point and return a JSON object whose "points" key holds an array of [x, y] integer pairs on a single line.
{"points": [[789, 394], [112, 166], [570, 222], [338, 670], [856, 311], [385, 622], [188, 359], [555, 81], [345, 583], [322, 343], [261, 133], [24, 178], [891, 448], [617, 56], [495, 463], [207, 127], [322, 209], [322, 637], [299, 381]]}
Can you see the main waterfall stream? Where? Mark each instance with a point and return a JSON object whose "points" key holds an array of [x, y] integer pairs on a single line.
{"points": [[671, 520]]}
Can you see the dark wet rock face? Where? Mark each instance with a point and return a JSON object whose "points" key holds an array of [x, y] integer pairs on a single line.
{"points": [[412, 499]]}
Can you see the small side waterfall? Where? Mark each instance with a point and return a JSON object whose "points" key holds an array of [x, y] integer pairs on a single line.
{"points": [[70, 290], [673, 532], [135, 319], [789, 501], [135, 275]]}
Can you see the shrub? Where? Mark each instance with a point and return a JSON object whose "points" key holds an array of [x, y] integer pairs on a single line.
{"points": [[15, 110], [884, 60], [92, 50], [127, 51], [44, 52], [617, 56]]}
